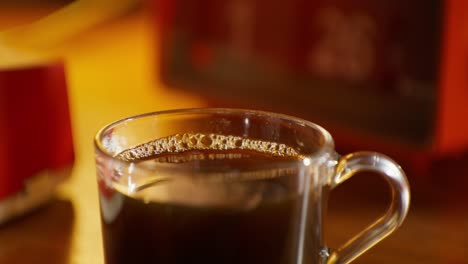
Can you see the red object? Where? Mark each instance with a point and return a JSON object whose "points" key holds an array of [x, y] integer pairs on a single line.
{"points": [[452, 110], [35, 129]]}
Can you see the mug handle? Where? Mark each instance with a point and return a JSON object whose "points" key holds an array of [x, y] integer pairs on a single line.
{"points": [[348, 166]]}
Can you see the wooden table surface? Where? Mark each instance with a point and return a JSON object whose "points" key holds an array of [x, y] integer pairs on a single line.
{"points": [[111, 74]]}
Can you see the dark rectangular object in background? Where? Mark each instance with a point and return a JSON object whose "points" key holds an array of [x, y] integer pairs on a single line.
{"points": [[385, 75]]}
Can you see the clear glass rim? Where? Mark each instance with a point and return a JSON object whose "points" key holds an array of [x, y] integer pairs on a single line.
{"points": [[326, 149]]}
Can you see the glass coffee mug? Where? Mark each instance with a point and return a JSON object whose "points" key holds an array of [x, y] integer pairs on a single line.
{"points": [[229, 186]]}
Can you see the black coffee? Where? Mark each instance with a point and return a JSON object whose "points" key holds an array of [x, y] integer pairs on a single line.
{"points": [[245, 217]]}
